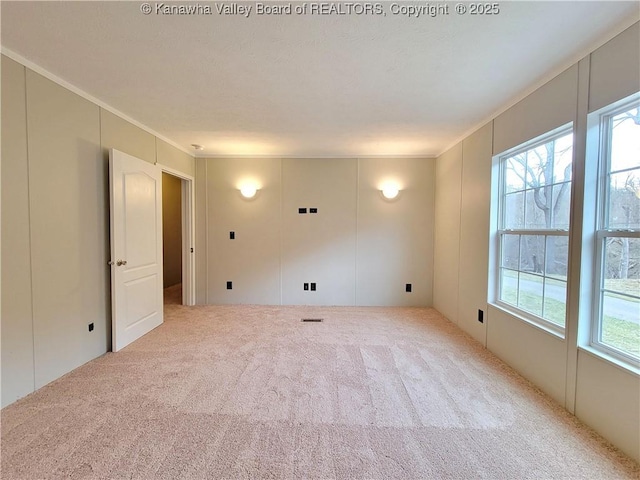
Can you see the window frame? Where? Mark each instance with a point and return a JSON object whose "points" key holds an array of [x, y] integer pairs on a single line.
{"points": [[501, 232], [600, 121]]}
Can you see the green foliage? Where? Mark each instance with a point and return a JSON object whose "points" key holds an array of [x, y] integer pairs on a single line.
{"points": [[621, 334], [616, 332]]}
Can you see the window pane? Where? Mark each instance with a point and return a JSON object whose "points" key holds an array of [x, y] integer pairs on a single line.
{"points": [[532, 253], [620, 313], [535, 205], [514, 173], [530, 293], [535, 197], [509, 286], [622, 265], [561, 205], [563, 158], [620, 327], [624, 200], [540, 165], [557, 257], [625, 140], [514, 210], [510, 251], [550, 163], [555, 300]]}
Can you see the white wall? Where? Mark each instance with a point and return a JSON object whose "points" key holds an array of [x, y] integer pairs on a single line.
{"points": [[201, 229], [538, 355], [55, 245], [17, 335], [402, 229], [169, 156], [602, 394], [358, 248], [551, 106], [128, 138], [475, 205], [319, 247], [251, 261], [447, 232], [67, 201], [608, 400], [614, 69]]}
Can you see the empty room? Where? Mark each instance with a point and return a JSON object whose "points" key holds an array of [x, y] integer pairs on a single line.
{"points": [[320, 240]]}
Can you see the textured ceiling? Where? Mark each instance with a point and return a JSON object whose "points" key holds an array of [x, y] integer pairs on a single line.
{"points": [[308, 85]]}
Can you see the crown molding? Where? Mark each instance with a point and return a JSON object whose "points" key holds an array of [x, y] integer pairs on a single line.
{"points": [[78, 91]]}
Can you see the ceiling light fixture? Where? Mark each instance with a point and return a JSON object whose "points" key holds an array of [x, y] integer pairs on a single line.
{"points": [[197, 147]]}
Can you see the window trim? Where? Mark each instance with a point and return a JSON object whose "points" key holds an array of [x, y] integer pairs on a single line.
{"points": [[599, 123], [497, 267]]}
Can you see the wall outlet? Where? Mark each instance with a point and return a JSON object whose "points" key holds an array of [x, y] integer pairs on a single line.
{"points": [[480, 316], [305, 286], [229, 285], [91, 327], [407, 288], [232, 235], [302, 210], [313, 210], [313, 287]]}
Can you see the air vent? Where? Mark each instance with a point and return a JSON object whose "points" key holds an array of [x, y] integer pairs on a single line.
{"points": [[312, 319]]}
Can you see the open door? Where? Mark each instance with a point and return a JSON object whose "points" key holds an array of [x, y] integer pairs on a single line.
{"points": [[136, 248]]}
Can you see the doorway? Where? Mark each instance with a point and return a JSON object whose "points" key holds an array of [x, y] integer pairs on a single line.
{"points": [[177, 237], [172, 239]]}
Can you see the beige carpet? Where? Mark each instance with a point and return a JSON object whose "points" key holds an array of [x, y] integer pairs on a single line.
{"points": [[252, 392]]}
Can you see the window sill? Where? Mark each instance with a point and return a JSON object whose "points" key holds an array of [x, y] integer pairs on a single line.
{"points": [[616, 362], [529, 319]]}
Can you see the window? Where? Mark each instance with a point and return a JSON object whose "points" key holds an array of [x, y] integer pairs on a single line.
{"points": [[615, 327], [533, 228]]}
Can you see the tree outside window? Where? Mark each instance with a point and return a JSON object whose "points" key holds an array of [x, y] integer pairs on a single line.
{"points": [[534, 222]]}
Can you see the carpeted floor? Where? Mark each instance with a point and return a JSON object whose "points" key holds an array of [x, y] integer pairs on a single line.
{"points": [[252, 392]]}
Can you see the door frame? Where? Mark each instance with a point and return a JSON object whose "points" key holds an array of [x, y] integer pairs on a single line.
{"points": [[188, 234]]}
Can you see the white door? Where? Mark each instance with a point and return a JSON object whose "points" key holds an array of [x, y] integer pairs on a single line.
{"points": [[136, 248]]}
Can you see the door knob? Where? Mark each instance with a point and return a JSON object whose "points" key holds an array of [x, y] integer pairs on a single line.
{"points": [[121, 262]]}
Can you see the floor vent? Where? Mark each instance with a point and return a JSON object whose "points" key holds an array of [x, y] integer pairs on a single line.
{"points": [[311, 319]]}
